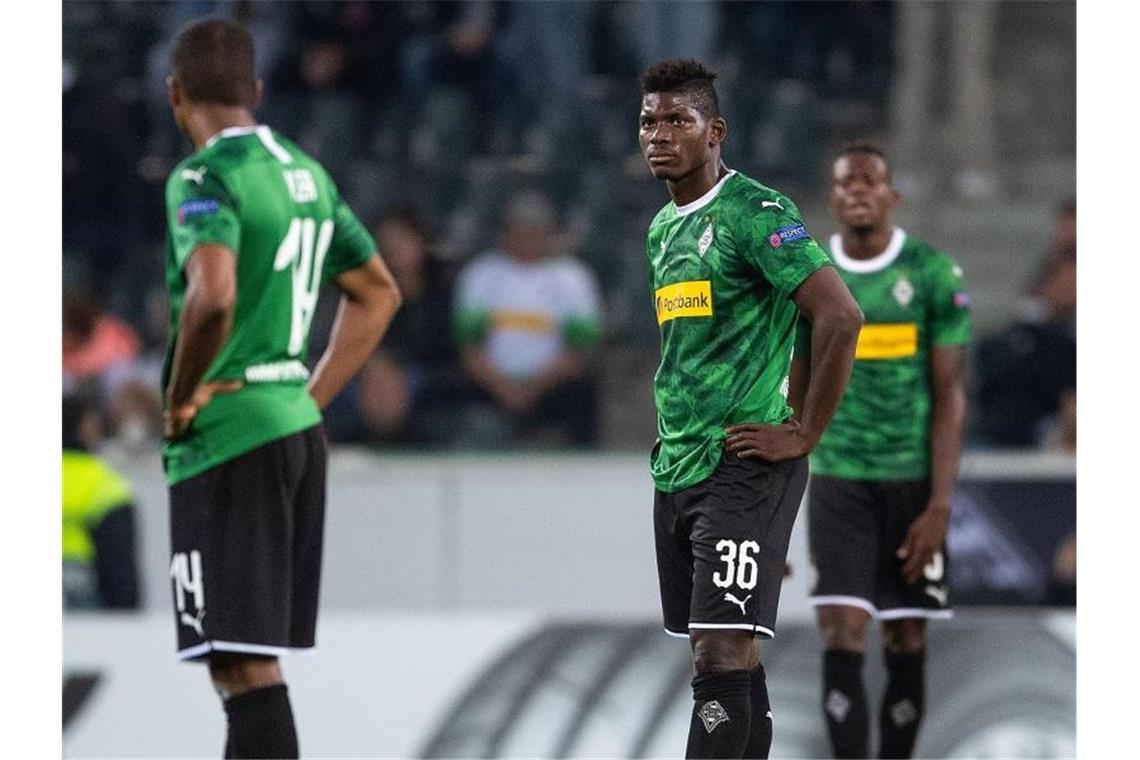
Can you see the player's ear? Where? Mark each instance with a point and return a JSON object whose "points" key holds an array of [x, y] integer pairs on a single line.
{"points": [[718, 130], [258, 89], [173, 91]]}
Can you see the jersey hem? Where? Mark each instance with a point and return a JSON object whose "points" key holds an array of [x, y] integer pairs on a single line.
{"points": [[696, 479], [174, 477]]}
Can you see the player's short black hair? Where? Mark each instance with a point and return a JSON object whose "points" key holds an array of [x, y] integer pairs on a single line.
{"points": [[684, 75], [865, 148], [213, 59]]}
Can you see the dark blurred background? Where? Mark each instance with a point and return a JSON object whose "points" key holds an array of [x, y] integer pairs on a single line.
{"points": [[433, 116]]}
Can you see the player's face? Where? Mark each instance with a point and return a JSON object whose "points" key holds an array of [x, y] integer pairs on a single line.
{"points": [[675, 137], [861, 192]]}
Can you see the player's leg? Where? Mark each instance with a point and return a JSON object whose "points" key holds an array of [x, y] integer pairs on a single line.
{"points": [[722, 718], [843, 533], [742, 519], [844, 633], [232, 530], [904, 610], [904, 645], [259, 716]]}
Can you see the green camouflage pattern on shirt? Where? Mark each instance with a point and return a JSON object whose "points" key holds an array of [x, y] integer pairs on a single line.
{"points": [[881, 430], [722, 279], [279, 212]]}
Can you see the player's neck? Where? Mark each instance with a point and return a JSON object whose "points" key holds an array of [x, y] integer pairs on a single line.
{"points": [[696, 183], [207, 120], [866, 244]]}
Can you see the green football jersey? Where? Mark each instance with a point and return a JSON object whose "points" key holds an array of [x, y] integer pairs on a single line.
{"points": [[912, 298], [277, 209], [723, 271]]}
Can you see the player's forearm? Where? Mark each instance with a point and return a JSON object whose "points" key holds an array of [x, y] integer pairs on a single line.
{"points": [[947, 420], [358, 328], [797, 385], [833, 338], [203, 328]]}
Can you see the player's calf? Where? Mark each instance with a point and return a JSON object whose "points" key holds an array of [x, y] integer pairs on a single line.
{"points": [[904, 700], [722, 693], [844, 631], [259, 717]]}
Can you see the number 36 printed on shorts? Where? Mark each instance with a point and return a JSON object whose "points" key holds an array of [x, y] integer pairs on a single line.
{"points": [[740, 566]]}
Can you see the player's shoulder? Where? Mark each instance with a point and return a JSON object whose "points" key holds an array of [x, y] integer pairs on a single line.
{"points": [[755, 196], [925, 256], [761, 208], [665, 213]]}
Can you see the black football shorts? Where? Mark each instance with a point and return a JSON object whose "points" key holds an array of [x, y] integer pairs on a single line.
{"points": [[855, 528], [722, 545], [246, 550]]}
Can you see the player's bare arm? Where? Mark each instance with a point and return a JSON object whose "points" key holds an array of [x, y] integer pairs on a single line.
{"points": [[835, 321], [207, 315], [369, 300], [947, 418]]}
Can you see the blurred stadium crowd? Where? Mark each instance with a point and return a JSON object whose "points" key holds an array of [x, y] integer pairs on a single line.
{"points": [[494, 142]]}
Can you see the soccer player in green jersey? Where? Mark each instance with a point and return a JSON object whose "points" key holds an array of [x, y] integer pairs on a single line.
{"points": [[254, 227], [732, 269], [879, 500]]}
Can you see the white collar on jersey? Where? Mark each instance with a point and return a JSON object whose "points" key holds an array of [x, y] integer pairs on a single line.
{"points": [[263, 133], [873, 264], [705, 199]]}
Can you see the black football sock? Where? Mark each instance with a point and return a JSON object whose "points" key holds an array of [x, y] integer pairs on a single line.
{"points": [[760, 736], [845, 703], [722, 710], [260, 724], [902, 703]]}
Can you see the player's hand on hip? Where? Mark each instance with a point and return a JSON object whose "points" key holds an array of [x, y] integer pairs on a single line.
{"points": [[773, 443], [924, 539], [177, 417]]}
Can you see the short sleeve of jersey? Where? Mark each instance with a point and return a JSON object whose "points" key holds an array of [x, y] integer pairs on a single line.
{"points": [[200, 210], [351, 245], [773, 239], [949, 310]]}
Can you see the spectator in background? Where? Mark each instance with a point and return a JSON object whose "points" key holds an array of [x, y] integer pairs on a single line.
{"points": [[408, 391], [526, 319], [93, 341], [1027, 375], [99, 554]]}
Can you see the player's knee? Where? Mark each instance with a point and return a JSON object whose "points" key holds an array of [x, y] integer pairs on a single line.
{"points": [[237, 674], [722, 651], [904, 636], [843, 627]]}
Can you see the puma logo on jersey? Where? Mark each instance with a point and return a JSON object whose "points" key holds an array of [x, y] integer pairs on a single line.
{"points": [[194, 622], [939, 594], [197, 176], [766, 204], [730, 598]]}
